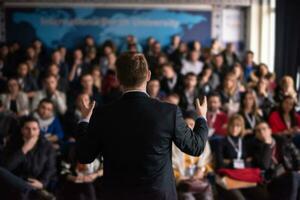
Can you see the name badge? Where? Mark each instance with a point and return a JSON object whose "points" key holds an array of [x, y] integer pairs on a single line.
{"points": [[238, 164]]}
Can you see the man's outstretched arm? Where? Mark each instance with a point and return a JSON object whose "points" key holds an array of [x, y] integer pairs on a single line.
{"points": [[191, 141]]}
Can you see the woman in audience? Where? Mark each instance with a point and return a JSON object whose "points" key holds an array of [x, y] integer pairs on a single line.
{"points": [[233, 152], [27, 82], [250, 111], [230, 94], [192, 171], [31, 160], [62, 84], [286, 87], [97, 77], [239, 73], [15, 99], [265, 99], [284, 120]]}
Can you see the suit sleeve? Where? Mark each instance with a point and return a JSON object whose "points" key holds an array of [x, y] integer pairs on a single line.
{"points": [[88, 145], [190, 141]]}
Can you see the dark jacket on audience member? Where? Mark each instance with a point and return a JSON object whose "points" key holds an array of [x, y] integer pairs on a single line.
{"points": [[225, 151], [39, 163], [166, 88], [135, 136], [285, 153]]}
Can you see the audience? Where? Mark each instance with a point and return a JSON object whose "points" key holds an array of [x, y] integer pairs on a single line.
{"points": [[44, 87]]}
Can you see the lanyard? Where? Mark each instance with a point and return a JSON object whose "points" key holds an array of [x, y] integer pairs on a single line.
{"points": [[252, 121], [239, 149]]}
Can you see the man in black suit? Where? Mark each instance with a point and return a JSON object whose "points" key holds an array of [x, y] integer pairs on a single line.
{"points": [[135, 134]]}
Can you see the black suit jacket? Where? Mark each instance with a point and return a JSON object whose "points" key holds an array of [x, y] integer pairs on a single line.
{"points": [[134, 135]]}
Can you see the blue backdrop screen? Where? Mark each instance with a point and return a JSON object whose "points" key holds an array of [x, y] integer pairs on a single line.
{"points": [[67, 26]]}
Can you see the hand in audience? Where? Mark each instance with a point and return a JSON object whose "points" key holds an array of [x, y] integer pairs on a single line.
{"points": [[90, 178], [199, 173], [201, 109], [35, 183], [86, 109]]}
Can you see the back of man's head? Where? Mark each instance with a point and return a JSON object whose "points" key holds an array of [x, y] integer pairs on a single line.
{"points": [[132, 69]]}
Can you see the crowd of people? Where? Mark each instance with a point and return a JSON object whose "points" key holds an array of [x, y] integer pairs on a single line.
{"points": [[253, 118]]}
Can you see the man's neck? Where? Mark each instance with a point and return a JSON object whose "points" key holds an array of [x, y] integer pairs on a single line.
{"points": [[138, 89]]}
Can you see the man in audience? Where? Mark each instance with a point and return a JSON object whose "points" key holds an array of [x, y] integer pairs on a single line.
{"points": [[30, 164], [249, 65], [49, 123], [193, 65], [50, 91], [189, 93], [280, 160], [229, 55], [171, 81], [216, 119]]}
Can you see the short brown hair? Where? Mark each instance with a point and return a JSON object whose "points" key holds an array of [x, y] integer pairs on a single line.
{"points": [[132, 69]]}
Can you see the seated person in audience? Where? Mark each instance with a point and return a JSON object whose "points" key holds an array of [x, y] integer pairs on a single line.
{"points": [[171, 81], [30, 160], [15, 100], [27, 82], [79, 181], [232, 152], [153, 89], [8, 127], [111, 89], [57, 59], [216, 118], [78, 67], [62, 84], [250, 111], [51, 91], [208, 80], [172, 98], [261, 72], [284, 120], [87, 86], [73, 116], [249, 65], [178, 56], [189, 92], [229, 55], [238, 71], [97, 77], [286, 87], [280, 160], [192, 170], [49, 124], [192, 65], [230, 94], [265, 99], [219, 67]]}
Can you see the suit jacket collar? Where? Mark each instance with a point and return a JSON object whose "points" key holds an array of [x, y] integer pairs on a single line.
{"points": [[134, 94]]}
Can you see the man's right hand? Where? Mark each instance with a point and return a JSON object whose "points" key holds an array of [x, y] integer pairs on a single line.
{"points": [[201, 109]]}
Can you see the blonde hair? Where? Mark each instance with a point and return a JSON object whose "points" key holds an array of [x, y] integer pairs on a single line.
{"points": [[232, 119]]}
